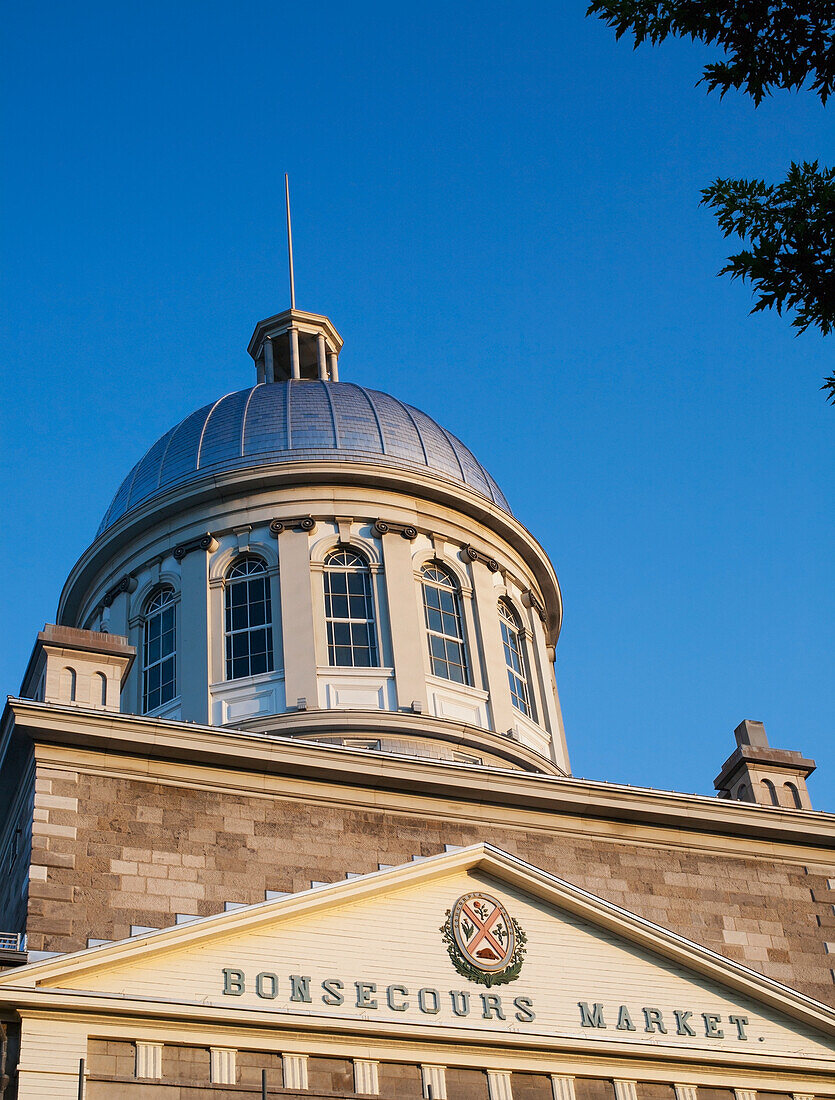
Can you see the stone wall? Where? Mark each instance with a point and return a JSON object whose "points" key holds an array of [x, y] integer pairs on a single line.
{"points": [[15, 845], [114, 852]]}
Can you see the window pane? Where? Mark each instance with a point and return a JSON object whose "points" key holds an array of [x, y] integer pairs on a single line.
{"points": [[447, 600], [357, 608], [432, 596], [356, 583], [248, 620], [443, 622], [349, 611], [338, 582], [449, 625], [434, 619], [513, 642], [159, 650]]}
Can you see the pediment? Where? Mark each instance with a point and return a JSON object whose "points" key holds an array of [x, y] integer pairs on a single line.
{"points": [[377, 949]]}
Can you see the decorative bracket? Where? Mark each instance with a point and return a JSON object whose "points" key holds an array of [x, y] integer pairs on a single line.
{"points": [[530, 599], [205, 542], [126, 584], [476, 555], [382, 527], [303, 523]]}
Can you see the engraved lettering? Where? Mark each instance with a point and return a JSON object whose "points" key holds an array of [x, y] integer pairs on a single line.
{"points": [[332, 991], [682, 1025], [741, 1023], [492, 1003], [591, 1017], [712, 1029], [266, 986], [524, 1009], [300, 988], [654, 1020], [364, 991], [233, 982], [399, 991], [625, 1020]]}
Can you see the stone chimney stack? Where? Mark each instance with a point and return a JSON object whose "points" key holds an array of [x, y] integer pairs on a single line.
{"points": [[755, 772], [82, 668]]}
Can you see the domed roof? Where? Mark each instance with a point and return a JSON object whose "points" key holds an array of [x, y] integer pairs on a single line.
{"points": [[300, 420]]}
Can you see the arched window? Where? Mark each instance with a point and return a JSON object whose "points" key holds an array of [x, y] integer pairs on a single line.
{"points": [[68, 682], [159, 651], [249, 620], [349, 610], [100, 681], [447, 653], [794, 796], [515, 658], [771, 792]]}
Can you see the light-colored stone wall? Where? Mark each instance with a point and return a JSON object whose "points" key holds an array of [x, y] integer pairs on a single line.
{"points": [[294, 560]]}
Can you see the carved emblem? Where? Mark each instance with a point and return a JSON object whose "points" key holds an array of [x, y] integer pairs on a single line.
{"points": [[485, 944]]}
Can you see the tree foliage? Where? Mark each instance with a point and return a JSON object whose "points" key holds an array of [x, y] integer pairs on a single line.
{"points": [[790, 226], [791, 230], [766, 44]]}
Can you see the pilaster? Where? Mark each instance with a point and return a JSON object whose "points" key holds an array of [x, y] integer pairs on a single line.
{"points": [[495, 669], [408, 633], [193, 659], [297, 608]]}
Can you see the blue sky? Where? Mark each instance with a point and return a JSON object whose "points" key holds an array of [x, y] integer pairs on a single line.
{"points": [[498, 206]]}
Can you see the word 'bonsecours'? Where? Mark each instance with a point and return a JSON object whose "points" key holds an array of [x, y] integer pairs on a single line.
{"points": [[369, 995]]}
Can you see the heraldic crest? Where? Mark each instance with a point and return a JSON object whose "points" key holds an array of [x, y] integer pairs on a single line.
{"points": [[484, 942]]}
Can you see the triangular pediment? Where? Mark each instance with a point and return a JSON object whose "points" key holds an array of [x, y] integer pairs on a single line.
{"points": [[378, 949]]}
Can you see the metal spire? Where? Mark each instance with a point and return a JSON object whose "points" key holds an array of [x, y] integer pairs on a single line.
{"points": [[289, 241]]}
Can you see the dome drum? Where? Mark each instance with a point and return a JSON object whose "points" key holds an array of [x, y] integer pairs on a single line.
{"points": [[196, 567]]}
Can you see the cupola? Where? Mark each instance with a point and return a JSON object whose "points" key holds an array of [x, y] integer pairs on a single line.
{"points": [[296, 345]]}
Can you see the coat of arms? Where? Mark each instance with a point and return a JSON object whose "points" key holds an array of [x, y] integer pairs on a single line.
{"points": [[484, 942]]}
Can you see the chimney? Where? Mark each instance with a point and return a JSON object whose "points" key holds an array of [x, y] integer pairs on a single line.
{"points": [[756, 772], [82, 668]]}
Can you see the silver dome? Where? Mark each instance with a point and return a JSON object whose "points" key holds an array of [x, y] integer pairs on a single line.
{"points": [[289, 421]]}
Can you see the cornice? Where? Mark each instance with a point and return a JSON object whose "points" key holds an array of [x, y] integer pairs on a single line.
{"points": [[120, 735], [400, 724], [462, 1046]]}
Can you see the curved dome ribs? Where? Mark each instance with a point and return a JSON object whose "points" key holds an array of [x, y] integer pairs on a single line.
{"points": [[291, 421]]}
